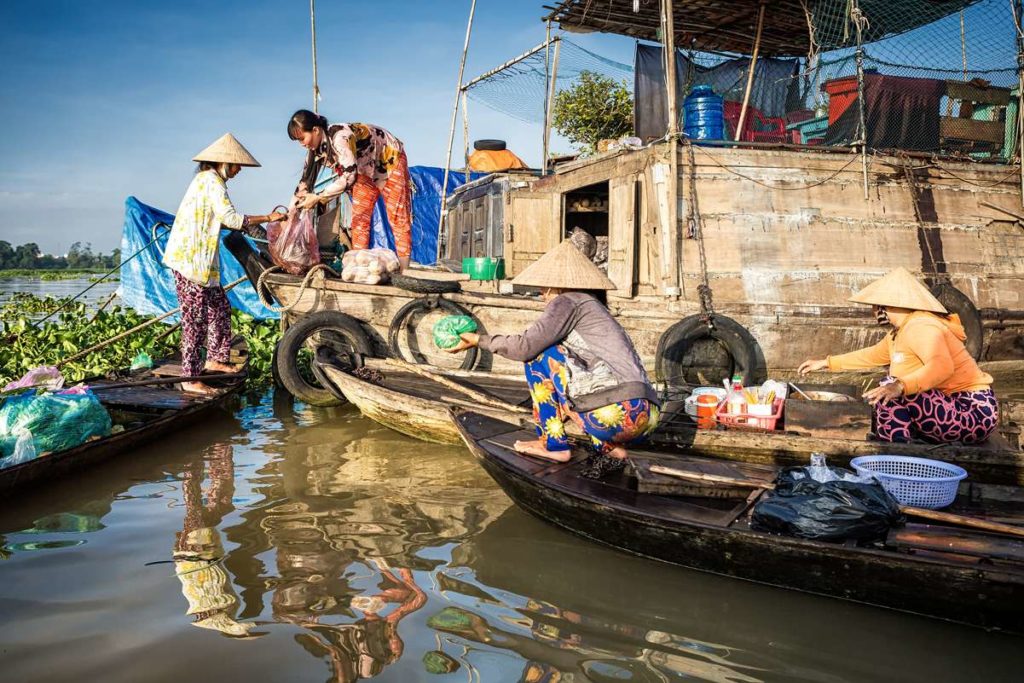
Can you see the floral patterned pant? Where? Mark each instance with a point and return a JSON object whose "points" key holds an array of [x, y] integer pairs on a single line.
{"points": [[397, 195], [618, 424], [205, 322], [937, 417]]}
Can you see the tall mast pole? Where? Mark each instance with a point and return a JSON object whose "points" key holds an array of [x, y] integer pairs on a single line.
{"points": [[312, 30], [451, 129]]}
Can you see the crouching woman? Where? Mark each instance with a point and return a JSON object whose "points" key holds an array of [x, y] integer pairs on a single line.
{"points": [[579, 363], [935, 391]]}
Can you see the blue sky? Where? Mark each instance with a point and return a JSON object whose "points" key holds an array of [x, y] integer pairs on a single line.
{"points": [[100, 100]]}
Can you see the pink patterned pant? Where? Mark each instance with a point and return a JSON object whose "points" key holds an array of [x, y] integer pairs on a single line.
{"points": [[937, 417], [205, 322]]}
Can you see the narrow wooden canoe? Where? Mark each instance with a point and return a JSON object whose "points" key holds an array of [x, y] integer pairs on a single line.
{"points": [[417, 405], [953, 574], [139, 414]]}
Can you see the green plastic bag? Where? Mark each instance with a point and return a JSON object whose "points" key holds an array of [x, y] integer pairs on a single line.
{"points": [[57, 420], [448, 329], [142, 361]]}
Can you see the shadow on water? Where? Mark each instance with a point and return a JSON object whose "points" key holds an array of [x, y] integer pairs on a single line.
{"points": [[292, 543]]}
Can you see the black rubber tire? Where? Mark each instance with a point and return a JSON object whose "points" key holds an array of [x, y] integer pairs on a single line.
{"points": [[424, 286], [407, 311], [489, 145], [957, 302], [736, 339], [273, 368], [295, 340]]}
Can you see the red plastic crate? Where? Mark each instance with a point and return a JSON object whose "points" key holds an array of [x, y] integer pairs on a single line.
{"points": [[744, 420]]}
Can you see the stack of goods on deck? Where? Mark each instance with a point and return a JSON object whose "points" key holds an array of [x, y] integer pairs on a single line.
{"points": [[369, 266]]}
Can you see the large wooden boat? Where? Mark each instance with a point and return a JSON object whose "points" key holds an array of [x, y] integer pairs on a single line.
{"points": [[416, 402], [945, 572], [143, 405]]}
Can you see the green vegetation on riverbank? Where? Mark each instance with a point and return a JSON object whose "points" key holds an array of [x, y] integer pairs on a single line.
{"points": [[76, 328], [44, 274]]}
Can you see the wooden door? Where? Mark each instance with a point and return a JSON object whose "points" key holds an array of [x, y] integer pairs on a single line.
{"points": [[533, 222], [622, 235]]}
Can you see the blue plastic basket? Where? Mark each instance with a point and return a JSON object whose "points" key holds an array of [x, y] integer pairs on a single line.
{"points": [[917, 482]]}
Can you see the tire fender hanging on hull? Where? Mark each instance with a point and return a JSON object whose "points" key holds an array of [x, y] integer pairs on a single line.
{"points": [[678, 339]]}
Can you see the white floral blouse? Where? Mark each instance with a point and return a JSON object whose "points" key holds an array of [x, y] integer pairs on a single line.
{"points": [[192, 246]]}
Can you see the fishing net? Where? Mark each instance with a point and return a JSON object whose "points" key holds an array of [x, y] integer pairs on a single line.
{"points": [[939, 78]]}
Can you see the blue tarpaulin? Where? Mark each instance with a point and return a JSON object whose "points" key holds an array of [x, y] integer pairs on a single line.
{"points": [[148, 286]]}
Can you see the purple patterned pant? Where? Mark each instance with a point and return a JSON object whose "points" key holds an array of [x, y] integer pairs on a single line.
{"points": [[205, 322], [937, 417]]}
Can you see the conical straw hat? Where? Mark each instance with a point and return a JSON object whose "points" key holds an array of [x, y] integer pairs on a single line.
{"points": [[564, 267], [227, 150], [899, 289]]}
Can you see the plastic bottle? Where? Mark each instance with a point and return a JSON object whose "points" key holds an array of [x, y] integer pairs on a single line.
{"points": [[736, 402], [818, 470]]}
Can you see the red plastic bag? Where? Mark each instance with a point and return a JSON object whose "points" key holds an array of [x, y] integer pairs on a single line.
{"points": [[292, 242]]}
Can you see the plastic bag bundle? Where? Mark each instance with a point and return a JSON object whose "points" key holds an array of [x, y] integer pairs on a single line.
{"points": [[45, 376], [369, 266], [292, 242], [835, 510], [57, 421], [448, 329]]}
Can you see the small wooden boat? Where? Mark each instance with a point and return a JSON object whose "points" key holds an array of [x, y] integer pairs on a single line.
{"points": [[414, 401], [143, 406], [940, 571]]}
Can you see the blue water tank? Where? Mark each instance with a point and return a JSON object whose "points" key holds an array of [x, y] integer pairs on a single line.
{"points": [[703, 114]]}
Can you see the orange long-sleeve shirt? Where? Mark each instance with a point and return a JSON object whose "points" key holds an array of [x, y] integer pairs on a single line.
{"points": [[928, 352]]}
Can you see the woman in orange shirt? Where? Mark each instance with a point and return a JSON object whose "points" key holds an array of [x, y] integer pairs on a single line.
{"points": [[935, 391]]}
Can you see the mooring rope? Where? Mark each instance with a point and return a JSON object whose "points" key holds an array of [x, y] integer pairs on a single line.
{"points": [[260, 284]]}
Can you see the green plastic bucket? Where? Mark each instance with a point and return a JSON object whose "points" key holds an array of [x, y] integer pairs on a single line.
{"points": [[484, 268]]}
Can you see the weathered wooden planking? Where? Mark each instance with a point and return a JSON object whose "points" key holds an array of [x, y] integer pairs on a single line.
{"points": [[958, 541], [650, 482]]}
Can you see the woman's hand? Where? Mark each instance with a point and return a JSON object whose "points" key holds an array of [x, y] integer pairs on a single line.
{"points": [[469, 340], [813, 366], [885, 393], [309, 201]]}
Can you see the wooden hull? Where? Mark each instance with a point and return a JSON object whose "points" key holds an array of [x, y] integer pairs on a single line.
{"points": [[162, 411], [423, 418], [683, 533]]}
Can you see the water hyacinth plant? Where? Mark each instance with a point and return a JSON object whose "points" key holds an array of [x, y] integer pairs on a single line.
{"points": [[78, 327]]}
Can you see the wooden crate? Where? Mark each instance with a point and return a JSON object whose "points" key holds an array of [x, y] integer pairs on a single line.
{"points": [[828, 419]]}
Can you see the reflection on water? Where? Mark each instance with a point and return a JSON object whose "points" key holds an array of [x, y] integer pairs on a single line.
{"points": [[291, 543]]}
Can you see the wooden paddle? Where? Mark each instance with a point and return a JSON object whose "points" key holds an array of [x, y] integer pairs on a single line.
{"points": [[947, 517], [455, 386]]}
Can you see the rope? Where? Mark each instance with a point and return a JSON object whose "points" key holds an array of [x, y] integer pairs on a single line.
{"points": [[103, 277], [260, 284], [1001, 180], [695, 224], [774, 187]]}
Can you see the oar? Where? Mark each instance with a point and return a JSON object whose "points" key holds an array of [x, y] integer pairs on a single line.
{"points": [[466, 391], [947, 517], [169, 380], [137, 328]]}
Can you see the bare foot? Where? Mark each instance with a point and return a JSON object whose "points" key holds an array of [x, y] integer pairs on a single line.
{"points": [[198, 388], [537, 449], [217, 366], [618, 452]]}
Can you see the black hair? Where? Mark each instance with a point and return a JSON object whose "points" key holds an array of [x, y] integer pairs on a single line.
{"points": [[208, 166], [304, 121]]}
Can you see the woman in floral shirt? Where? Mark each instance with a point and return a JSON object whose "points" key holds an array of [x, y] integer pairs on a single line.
{"points": [[192, 254], [369, 162]]}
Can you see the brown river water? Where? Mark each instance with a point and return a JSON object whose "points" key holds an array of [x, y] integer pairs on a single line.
{"points": [[280, 542]]}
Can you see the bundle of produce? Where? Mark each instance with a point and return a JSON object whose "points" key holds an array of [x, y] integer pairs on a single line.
{"points": [[448, 329], [369, 266], [56, 421]]}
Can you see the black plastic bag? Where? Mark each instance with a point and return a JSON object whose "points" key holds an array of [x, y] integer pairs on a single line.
{"points": [[826, 511]]}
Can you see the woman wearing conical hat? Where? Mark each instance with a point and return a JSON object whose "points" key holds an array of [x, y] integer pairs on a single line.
{"points": [[580, 364], [192, 254], [935, 391]]}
